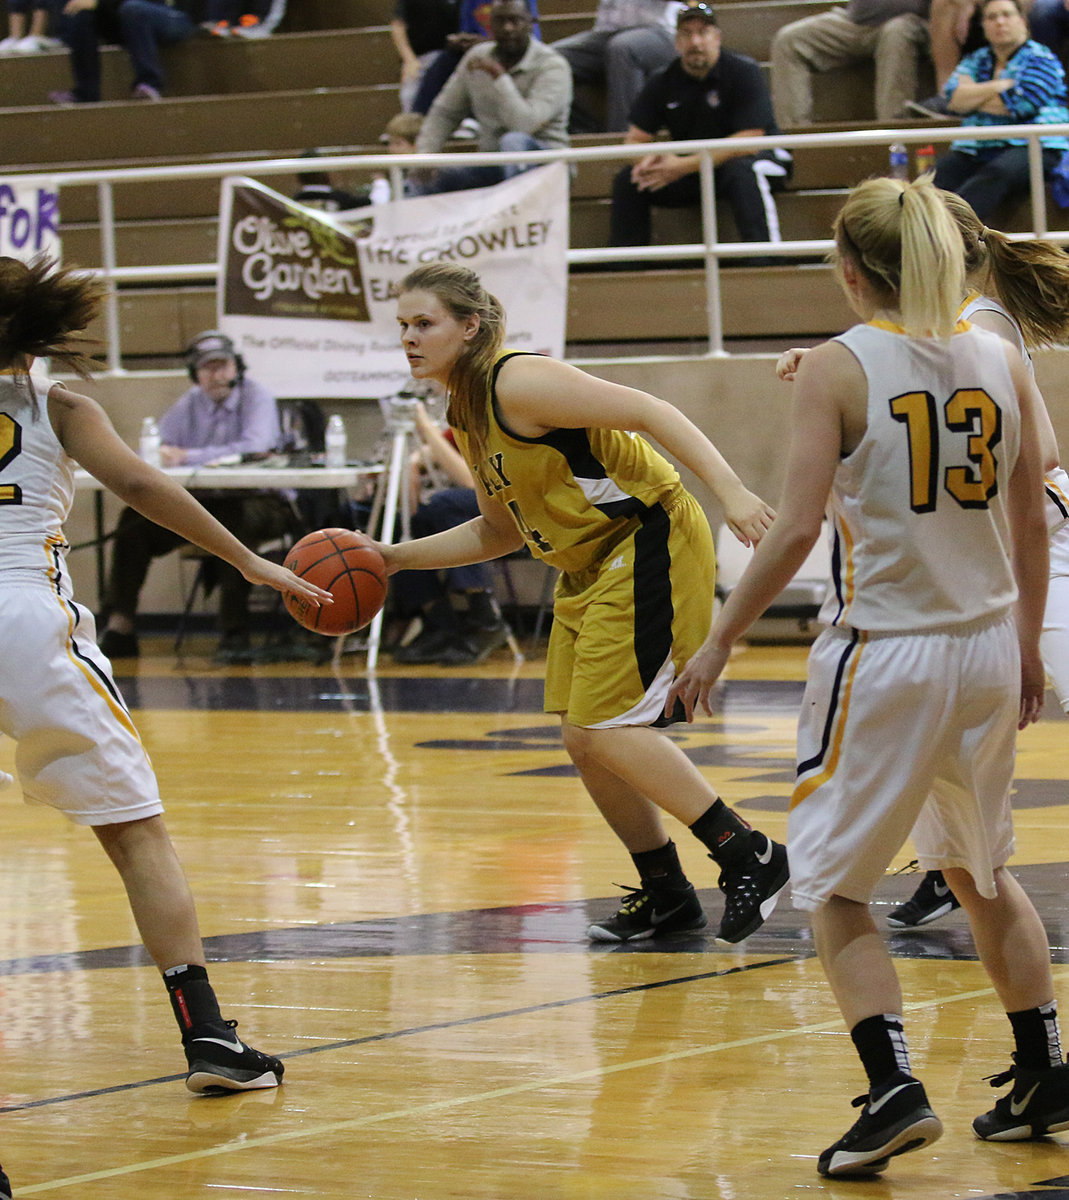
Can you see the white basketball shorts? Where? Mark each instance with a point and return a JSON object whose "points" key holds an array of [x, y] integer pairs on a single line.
{"points": [[77, 748], [901, 733]]}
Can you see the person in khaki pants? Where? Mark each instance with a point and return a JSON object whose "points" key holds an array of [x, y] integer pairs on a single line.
{"points": [[894, 33]]}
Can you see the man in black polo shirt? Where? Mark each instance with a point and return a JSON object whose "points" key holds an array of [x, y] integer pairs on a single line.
{"points": [[706, 92]]}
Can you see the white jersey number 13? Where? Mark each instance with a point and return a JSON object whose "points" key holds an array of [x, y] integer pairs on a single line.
{"points": [[970, 411]]}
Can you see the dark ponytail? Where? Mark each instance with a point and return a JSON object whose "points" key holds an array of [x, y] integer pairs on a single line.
{"points": [[44, 310]]}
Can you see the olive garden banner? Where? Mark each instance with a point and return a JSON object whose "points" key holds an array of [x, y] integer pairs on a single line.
{"points": [[309, 299]]}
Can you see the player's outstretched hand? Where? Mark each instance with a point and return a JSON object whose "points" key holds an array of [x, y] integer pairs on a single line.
{"points": [[787, 363], [748, 516], [1033, 688], [696, 681], [262, 570]]}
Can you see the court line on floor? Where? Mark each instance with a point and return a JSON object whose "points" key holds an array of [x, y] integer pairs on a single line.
{"points": [[433, 1027], [328, 1128]]}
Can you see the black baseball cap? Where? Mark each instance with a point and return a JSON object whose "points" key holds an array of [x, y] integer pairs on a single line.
{"points": [[210, 346], [700, 10]]}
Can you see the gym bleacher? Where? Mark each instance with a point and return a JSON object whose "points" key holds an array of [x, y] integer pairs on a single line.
{"points": [[328, 78]]}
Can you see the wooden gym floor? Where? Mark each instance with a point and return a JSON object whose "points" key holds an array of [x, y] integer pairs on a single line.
{"points": [[394, 877]]}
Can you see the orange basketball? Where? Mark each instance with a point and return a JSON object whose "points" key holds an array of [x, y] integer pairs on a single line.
{"points": [[347, 565]]}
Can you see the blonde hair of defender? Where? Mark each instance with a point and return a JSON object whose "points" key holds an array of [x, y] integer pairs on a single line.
{"points": [[907, 246], [1030, 277], [462, 294]]}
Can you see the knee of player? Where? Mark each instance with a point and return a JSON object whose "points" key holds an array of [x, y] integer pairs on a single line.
{"points": [[579, 743]]}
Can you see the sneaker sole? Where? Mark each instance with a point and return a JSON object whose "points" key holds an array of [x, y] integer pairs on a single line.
{"points": [[916, 1136], [207, 1082], [598, 933], [942, 911], [765, 910]]}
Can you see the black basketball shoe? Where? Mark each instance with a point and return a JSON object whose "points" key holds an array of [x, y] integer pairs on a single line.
{"points": [[219, 1061], [1037, 1104], [932, 899], [647, 914], [752, 889], [895, 1122]]}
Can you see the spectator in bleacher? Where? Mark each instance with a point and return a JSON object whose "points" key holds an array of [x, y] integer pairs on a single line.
{"points": [[400, 137], [518, 90], [956, 30], [706, 92], [630, 40], [1013, 80], [27, 36], [224, 413], [140, 26], [402, 133], [474, 27], [892, 33]]}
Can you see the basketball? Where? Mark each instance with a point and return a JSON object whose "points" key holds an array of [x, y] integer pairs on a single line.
{"points": [[346, 564]]}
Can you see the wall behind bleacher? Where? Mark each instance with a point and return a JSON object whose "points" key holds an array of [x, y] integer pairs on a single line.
{"points": [[737, 401]]}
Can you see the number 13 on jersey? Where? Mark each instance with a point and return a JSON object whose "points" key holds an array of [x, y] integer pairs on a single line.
{"points": [[970, 411]]}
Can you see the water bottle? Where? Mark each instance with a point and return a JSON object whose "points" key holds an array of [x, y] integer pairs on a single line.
{"points": [[337, 442], [149, 446], [925, 159], [899, 160], [380, 191]]}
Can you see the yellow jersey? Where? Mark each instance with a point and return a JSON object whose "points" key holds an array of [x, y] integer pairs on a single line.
{"points": [[573, 493]]}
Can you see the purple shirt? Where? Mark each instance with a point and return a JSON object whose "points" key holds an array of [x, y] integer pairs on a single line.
{"points": [[246, 422]]}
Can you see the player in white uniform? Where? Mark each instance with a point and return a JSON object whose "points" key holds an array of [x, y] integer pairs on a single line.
{"points": [[77, 748], [1033, 277], [1032, 280], [919, 434]]}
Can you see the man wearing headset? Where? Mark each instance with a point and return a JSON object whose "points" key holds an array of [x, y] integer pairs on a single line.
{"points": [[223, 415]]}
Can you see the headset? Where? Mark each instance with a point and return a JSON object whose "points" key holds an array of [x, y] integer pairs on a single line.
{"points": [[213, 339]]}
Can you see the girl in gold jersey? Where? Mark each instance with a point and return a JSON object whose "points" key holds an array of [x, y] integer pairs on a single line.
{"points": [[559, 466]]}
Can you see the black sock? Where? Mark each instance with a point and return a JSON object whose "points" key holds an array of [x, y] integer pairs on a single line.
{"points": [[192, 998], [881, 1045], [1035, 1032], [659, 869], [724, 833]]}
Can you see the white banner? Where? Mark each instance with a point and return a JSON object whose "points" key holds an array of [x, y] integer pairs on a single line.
{"points": [[312, 307], [29, 218]]}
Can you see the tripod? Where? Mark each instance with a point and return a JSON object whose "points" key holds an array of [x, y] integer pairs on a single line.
{"points": [[391, 492]]}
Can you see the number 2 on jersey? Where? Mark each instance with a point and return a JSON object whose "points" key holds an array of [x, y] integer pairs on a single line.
{"points": [[970, 411], [10, 448]]}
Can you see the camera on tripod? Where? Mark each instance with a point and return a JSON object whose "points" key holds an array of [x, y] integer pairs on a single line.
{"points": [[401, 412]]}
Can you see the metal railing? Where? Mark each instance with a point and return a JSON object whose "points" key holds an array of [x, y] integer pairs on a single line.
{"points": [[710, 249]]}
